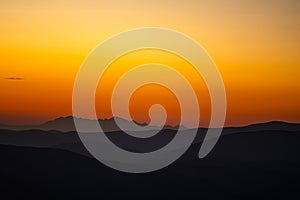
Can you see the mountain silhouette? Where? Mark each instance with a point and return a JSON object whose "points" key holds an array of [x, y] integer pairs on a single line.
{"points": [[259, 161], [66, 124], [273, 140], [246, 163]]}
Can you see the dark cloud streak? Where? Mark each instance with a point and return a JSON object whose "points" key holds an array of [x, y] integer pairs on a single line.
{"points": [[15, 78]]}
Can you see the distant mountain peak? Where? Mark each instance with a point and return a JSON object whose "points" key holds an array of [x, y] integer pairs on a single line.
{"points": [[66, 124]]}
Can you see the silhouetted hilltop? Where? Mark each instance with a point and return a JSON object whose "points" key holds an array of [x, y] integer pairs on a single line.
{"points": [[234, 143], [46, 173], [273, 125], [66, 124], [259, 161]]}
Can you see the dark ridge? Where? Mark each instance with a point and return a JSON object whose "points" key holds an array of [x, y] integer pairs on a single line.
{"points": [[45, 173], [66, 124], [246, 163]]}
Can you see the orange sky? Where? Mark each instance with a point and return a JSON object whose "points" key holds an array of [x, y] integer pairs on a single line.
{"points": [[255, 45]]}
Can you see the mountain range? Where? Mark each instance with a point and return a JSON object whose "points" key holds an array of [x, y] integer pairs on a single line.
{"points": [[259, 161], [66, 124]]}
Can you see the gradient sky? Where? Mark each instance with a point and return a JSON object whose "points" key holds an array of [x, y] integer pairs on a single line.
{"points": [[255, 44]]}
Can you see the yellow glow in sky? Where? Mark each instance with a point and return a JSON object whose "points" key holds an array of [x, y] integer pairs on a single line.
{"points": [[254, 43]]}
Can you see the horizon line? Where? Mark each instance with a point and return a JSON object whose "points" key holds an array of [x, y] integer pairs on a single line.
{"points": [[166, 125]]}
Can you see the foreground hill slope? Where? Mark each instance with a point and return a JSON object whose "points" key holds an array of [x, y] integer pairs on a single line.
{"points": [[45, 173]]}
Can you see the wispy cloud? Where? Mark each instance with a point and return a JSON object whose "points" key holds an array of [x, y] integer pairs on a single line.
{"points": [[15, 78]]}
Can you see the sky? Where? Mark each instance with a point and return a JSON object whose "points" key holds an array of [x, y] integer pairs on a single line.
{"points": [[255, 45]]}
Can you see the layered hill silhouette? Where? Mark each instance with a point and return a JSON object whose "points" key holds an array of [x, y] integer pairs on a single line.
{"points": [[44, 173], [265, 141], [66, 124], [259, 161]]}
